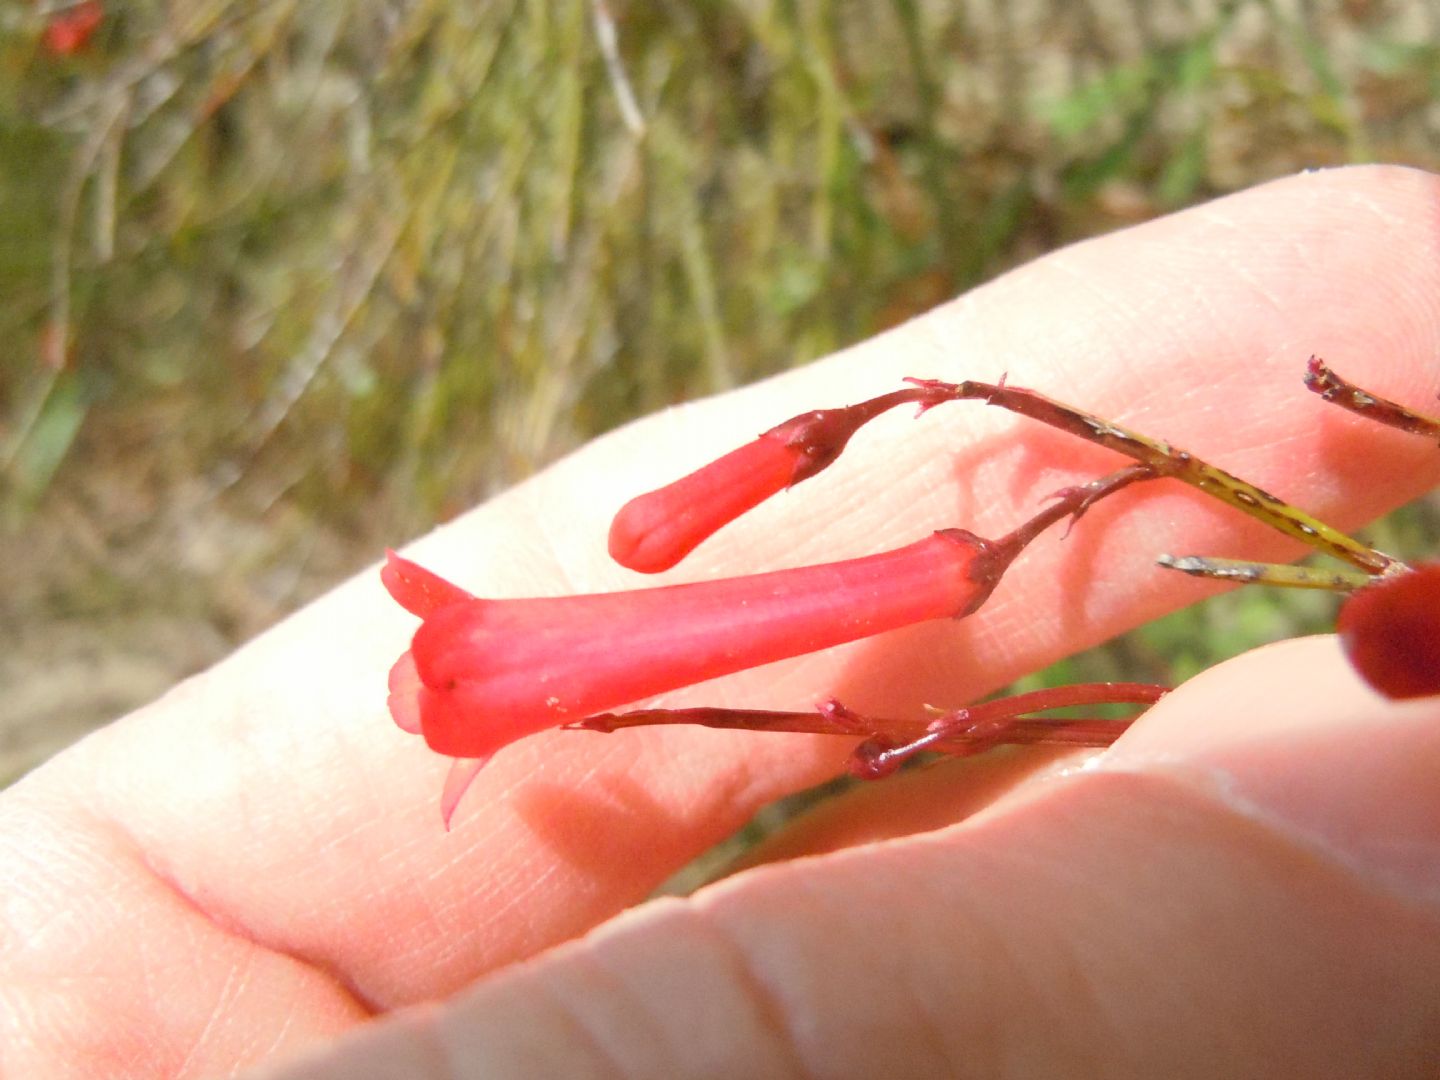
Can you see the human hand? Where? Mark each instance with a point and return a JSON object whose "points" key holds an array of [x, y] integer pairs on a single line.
{"points": [[1247, 883]]}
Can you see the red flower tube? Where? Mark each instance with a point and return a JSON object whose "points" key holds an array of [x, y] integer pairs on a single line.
{"points": [[69, 31], [481, 674]]}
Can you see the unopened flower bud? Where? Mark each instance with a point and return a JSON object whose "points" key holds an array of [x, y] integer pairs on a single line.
{"points": [[654, 531]]}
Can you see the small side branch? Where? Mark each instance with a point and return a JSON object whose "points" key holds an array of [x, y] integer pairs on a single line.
{"points": [[888, 742]]}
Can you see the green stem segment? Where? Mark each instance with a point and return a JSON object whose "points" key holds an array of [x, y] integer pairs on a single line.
{"points": [[1282, 575], [1165, 460]]}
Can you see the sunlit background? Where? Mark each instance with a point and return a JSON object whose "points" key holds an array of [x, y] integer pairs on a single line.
{"points": [[284, 282]]}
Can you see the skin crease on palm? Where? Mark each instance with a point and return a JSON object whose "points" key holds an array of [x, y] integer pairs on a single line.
{"points": [[250, 871]]}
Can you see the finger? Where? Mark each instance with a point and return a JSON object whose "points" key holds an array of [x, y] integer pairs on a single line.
{"points": [[1252, 888], [274, 796]]}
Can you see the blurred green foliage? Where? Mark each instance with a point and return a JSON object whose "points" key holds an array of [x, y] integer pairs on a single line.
{"points": [[366, 263]]}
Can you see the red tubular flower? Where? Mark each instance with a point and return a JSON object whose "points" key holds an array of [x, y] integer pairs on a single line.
{"points": [[481, 674], [654, 531]]}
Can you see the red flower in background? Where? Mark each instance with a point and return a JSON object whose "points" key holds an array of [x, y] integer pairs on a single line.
{"points": [[70, 30]]}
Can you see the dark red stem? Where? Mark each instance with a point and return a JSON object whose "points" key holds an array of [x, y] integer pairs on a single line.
{"points": [[888, 742], [1338, 391], [821, 435]]}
